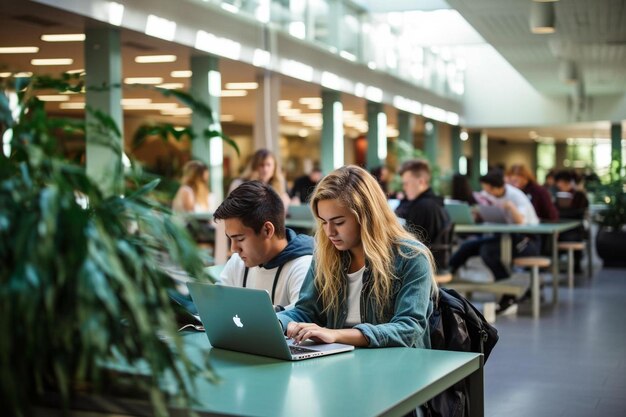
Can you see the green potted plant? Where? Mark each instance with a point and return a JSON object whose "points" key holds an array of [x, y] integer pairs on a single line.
{"points": [[80, 276], [611, 237]]}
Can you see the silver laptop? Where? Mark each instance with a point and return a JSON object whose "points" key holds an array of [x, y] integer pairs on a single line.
{"points": [[492, 214], [243, 319]]}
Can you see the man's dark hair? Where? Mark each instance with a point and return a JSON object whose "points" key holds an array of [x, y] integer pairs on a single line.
{"points": [[417, 167], [254, 203], [564, 175], [494, 178]]}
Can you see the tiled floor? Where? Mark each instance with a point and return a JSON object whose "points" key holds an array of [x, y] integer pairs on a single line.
{"points": [[571, 362]]}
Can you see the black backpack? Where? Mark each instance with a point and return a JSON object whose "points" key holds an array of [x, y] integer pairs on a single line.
{"points": [[456, 324]]}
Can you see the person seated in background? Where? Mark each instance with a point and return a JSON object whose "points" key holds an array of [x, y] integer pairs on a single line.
{"points": [[572, 205], [382, 176], [263, 167], [519, 176], [462, 190], [265, 254], [549, 185], [371, 283], [193, 196], [303, 186], [518, 210], [423, 211]]}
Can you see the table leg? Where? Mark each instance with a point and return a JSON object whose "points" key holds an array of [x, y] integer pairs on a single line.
{"points": [[555, 268], [506, 250], [476, 392]]}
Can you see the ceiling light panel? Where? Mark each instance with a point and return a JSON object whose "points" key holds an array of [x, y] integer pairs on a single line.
{"points": [[52, 61], [19, 50], [64, 37], [151, 59], [242, 86]]}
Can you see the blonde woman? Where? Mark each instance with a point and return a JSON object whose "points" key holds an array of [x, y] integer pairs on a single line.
{"points": [[193, 196], [263, 167], [371, 282]]}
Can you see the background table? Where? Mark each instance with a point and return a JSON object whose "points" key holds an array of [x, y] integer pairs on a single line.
{"points": [[506, 230]]}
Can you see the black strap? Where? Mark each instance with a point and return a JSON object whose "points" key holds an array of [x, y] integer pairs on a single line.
{"points": [[274, 284]]}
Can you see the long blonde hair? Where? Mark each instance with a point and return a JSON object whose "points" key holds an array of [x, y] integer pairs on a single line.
{"points": [[193, 176], [277, 182], [381, 236]]}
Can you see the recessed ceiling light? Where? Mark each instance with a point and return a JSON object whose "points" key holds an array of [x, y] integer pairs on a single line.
{"points": [[66, 37], [181, 74], [76, 71], [151, 106], [151, 59], [181, 111], [131, 101], [143, 80], [53, 97], [5, 74], [234, 93], [171, 86], [242, 86], [52, 61], [19, 50], [23, 74], [72, 105], [227, 118]]}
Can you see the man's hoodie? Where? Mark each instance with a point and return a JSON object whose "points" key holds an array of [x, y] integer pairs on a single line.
{"points": [[297, 246]]}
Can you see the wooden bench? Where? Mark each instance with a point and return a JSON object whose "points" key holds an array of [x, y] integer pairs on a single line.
{"points": [[570, 247], [534, 263]]}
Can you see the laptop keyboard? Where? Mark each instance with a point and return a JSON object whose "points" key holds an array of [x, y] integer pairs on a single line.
{"points": [[297, 350]]}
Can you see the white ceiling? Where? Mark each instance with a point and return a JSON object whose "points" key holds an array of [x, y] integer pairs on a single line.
{"points": [[592, 33]]}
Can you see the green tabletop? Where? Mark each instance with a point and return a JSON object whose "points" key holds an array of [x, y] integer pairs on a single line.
{"points": [[365, 382], [541, 228], [300, 224]]}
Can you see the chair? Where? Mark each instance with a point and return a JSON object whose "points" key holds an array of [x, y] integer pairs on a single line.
{"points": [[442, 247], [534, 263]]}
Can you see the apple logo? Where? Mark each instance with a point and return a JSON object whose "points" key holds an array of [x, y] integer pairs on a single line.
{"points": [[237, 321]]}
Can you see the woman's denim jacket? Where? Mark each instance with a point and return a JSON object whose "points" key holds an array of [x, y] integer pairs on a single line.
{"points": [[403, 323]]}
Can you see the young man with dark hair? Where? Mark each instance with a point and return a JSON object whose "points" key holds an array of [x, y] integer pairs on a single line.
{"points": [[517, 210], [423, 211], [266, 255]]}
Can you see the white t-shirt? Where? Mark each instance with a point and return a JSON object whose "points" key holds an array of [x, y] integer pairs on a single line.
{"points": [[355, 286], [289, 282], [521, 202]]}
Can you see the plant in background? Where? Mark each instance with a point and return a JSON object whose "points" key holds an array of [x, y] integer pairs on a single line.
{"points": [[80, 281], [405, 151]]}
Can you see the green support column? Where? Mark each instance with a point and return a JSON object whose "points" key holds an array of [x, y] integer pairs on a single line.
{"points": [[430, 141], [376, 135], [206, 85], [476, 141], [332, 131], [103, 66], [616, 150], [405, 130], [455, 140]]}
